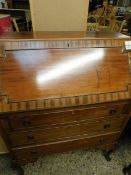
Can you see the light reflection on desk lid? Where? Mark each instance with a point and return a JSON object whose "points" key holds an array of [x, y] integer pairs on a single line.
{"points": [[68, 66]]}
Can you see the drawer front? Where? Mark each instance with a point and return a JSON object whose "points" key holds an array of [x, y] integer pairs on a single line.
{"points": [[30, 154], [66, 132], [25, 121]]}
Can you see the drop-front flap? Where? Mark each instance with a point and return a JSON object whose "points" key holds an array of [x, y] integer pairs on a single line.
{"points": [[35, 74]]}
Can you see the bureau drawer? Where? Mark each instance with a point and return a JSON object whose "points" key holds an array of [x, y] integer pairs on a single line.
{"points": [[30, 154], [58, 117], [65, 132]]}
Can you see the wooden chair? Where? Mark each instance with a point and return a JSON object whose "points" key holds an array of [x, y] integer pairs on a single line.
{"points": [[104, 19], [117, 25], [111, 23], [92, 23]]}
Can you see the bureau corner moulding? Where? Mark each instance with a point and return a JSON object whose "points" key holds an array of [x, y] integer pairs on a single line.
{"points": [[62, 91]]}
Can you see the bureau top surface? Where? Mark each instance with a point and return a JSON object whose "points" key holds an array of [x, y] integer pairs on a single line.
{"points": [[60, 35], [48, 78]]}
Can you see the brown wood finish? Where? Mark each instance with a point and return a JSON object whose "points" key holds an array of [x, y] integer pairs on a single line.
{"points": [[29, 154], [66, 116], [70, 131], [61, 35], [80, 77], [66, 73], [63, 90]]}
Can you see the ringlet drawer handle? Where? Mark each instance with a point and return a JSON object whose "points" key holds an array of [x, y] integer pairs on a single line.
{"points": [[107, 126], [102, 141], [33, 152], [26, 122], [112, 111], [30, 137]]}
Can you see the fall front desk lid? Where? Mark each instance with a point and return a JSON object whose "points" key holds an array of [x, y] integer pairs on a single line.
{"points": [[56, 73]]}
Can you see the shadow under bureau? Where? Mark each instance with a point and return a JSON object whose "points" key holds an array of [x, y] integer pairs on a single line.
{"points": [[62, 91]]}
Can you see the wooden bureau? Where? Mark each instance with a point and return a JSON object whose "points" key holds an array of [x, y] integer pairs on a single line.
{"points": [[61, 91]]}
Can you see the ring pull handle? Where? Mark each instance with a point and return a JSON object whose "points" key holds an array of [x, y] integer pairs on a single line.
{"points": [[26, 122], [102, 141], [112, 112], [30, 137], [33, 152], [106, 126]]}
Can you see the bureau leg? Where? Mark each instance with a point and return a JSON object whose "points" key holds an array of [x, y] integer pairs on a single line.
{"points": [[15, 166], [107, 154], [127, 170], [20, 171]]}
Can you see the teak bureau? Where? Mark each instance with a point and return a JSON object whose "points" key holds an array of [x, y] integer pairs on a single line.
{"points": [[63, 91]]}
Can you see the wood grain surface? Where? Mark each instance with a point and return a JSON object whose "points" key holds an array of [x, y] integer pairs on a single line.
{"points": [[59, 69], [62, 91], [62, 35], [34, 74]]}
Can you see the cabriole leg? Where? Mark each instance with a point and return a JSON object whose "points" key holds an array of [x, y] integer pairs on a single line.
{"points": [[15, 166], [127, 170], [107, 154]]}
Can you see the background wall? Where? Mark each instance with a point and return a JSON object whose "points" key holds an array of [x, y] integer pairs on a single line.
{"points": [[59, 15]]}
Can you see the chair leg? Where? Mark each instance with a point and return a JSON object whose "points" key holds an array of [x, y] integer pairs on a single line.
{"points": [[15, 24], [15, 166]]}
